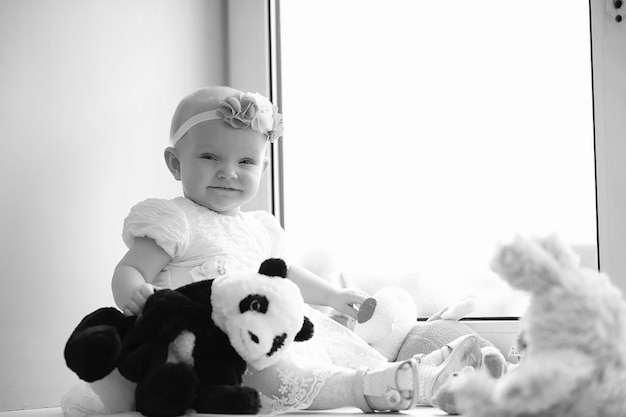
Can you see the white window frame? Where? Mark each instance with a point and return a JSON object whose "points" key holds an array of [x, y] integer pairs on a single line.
{"points": [[254, 64], [609, 84]]}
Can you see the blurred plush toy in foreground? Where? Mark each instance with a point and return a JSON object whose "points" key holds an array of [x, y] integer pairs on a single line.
{"points": [[574, 334]]}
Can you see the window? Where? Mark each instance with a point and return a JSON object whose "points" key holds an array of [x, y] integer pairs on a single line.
{"points": [[419, 134]]}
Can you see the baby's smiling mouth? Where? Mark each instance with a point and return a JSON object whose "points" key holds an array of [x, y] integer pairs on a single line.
{"points": [[224, 188]]}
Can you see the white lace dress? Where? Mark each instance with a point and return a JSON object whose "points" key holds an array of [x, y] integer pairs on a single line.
{"points": [[204, 244]]}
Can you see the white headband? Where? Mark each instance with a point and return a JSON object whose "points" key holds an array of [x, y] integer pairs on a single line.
{"points": [[192, 121], [245, 110]]}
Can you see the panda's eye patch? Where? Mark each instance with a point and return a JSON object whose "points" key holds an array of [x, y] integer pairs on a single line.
{"points": [[254, 302]]}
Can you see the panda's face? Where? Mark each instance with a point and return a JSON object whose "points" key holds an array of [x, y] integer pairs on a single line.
{"points": [[260, 314]]}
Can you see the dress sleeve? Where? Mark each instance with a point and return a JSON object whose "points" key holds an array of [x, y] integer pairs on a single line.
{"points": [[161, 220], [274, 230]]}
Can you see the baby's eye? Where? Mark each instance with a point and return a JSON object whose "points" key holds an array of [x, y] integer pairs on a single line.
{"points": [[208, 156], [247, 161]]}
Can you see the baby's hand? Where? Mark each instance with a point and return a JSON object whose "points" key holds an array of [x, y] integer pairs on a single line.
{"points": [[344, 300], [138, 299]]}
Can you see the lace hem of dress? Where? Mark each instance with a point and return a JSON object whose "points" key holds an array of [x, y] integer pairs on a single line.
{"points": [[297, 391]]}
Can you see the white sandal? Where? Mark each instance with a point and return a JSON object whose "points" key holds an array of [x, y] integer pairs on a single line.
{"points": [[427, 379], [462, 352], [384, 384]]}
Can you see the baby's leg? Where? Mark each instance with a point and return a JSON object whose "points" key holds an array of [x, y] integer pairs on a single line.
{"points": [[362, 388], [288, 385]]}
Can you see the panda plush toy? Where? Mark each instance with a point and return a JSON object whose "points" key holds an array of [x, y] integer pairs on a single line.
{"points": [[190, 347]]}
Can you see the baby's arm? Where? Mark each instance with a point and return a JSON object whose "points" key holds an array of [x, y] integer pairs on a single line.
{"points": [[316, 290], [141, 264]]}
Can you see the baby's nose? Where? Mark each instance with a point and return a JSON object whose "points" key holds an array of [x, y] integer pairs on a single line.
{"points": [[227, 172]]}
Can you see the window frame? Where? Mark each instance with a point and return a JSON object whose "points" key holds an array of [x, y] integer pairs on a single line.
{"points": [[260, 21], [607, 39]]}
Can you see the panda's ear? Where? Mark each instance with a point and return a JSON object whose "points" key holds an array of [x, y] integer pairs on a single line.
{"points": [[306, 332], [274, 267]]}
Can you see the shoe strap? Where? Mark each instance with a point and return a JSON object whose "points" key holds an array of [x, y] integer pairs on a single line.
{"points": [[445, 350], [414, 364], [386, 385], [424, 371], [359, 391]]}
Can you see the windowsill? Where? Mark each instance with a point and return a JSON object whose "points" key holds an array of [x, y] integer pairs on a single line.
{"points": [[343, 412], [421, 411]]}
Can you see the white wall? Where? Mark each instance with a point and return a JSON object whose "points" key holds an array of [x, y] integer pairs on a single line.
{"points": [[87, 89]]}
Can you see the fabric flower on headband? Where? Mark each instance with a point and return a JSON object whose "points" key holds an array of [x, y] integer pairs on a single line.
{"points": [[255, 111], [241, 110]]}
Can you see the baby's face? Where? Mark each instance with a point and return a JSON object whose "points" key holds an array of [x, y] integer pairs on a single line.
{"points": [[220, 166]]}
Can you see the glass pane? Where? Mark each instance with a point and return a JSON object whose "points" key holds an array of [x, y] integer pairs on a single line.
{"points": [[421, 134]]}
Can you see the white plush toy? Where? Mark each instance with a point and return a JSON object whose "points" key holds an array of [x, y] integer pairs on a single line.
{"points": [[574, 334], [385, 319]]}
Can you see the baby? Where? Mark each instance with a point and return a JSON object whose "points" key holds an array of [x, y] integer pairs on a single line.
{"points": [[218, 151]]}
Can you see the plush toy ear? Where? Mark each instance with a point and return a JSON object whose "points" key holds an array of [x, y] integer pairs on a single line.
{"points": [[306, 332], [274, 267]]}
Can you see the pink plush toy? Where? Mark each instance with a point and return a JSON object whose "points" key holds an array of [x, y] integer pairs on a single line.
{"points": [[444, 327]]}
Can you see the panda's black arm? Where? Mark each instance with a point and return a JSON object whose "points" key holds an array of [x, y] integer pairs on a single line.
{"points": [[165, 315], [227, 399], [216, 361]]}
